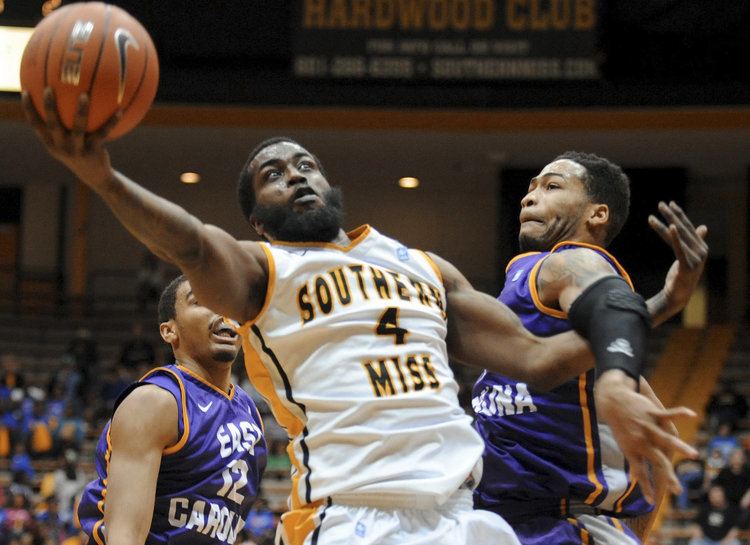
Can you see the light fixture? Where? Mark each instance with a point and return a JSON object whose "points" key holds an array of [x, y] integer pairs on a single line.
{"points": [[13, 40], [408, 182], [190, 177]]}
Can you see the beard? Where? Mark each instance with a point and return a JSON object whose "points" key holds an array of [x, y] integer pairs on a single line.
{"points": [[320, 224]]}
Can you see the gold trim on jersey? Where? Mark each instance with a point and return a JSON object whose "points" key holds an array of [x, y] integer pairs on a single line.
{"points": [[541, 307], [617, 524], [557, 313], [589, 439], [100, 504], [621, 500], [519, 256], [300, 522], [185, 418], [583, 531], [619, 268], [262, 381], [202, 380], [434, 266], [270, 285], [355, 236]]}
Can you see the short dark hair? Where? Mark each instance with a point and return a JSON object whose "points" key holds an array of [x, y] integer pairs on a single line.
{"points": [[245, 189], [167, 299], [606, 183]]}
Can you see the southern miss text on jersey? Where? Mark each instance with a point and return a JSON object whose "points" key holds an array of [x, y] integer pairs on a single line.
{"points": [[349, 349], [208, 480]]}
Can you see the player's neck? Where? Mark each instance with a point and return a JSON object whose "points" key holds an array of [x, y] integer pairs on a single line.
{"points": [[216, 374]]}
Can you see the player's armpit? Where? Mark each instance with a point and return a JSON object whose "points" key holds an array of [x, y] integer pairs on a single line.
{"points": [[231, 277], [144, 425], [483, 332]]}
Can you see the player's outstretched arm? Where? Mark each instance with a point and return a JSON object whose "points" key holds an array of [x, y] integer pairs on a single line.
{"points": [[144, 425], [484, 333], [604, 310], [690, 250], [227, 276]]}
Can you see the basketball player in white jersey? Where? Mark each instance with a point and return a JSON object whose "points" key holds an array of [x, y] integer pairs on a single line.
{"points": [[346, 335]]}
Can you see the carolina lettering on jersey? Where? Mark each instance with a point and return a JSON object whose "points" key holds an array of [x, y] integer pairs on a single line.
{"points": [[504, 399], [349, 350], [547, 449], [208, 481]]}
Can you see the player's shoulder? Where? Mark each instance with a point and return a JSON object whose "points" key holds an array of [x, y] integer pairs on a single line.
{"points": [[575, 257], [147, 416], [147, 398]]}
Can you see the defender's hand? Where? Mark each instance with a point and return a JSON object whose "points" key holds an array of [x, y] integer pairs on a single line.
{"points": [[83, 153], [690, 250], [641, 429]]}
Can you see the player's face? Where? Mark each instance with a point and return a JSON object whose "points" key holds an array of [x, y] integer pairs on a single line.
{"points": [[554, 207], [203, 335], [294, 201]]}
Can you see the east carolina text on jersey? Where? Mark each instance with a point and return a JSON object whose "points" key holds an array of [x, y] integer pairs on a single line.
{"points": [[208, 480]]}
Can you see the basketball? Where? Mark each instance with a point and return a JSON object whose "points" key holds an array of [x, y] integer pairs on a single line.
{"points": [[94, 48]]}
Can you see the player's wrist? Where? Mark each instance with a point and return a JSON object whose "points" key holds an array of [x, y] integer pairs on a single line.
{"points": [[615, 379]]}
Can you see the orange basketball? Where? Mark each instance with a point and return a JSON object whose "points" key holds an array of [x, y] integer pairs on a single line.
{"points": [[94, 48]]}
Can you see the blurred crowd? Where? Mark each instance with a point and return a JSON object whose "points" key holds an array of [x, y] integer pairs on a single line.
{"points": [[717, 486]]}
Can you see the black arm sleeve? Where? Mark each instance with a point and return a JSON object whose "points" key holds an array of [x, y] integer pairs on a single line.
{"points": [[615, 321]]}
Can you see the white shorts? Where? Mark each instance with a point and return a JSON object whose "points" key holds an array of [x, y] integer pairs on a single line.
{"points": [[454, 523]]}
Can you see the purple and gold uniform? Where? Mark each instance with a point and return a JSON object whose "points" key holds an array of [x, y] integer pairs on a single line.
{"points": [[546, 457], [208, 480]]}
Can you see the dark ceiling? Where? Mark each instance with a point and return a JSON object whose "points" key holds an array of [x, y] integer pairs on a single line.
{"points": [[650, 53]]}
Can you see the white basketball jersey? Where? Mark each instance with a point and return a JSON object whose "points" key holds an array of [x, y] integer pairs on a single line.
{"points": [[349, 351]]}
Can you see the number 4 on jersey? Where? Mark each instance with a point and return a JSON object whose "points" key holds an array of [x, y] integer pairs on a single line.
{"points": [[388, 325]]}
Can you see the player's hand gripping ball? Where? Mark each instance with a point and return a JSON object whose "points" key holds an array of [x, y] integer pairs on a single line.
{"points": [[94, 48]]}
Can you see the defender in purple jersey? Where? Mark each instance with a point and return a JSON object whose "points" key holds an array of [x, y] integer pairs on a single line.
{"points": [[182, 458], [551, 465]]}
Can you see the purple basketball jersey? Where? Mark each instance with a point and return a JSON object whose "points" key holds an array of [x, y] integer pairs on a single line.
{"points": [[208, 480], [545, 452]]}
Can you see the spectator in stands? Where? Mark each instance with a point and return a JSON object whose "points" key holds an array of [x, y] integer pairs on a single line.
{"points": [[724, 441], [69, 482], [7, 425], [716, 522], [715, 462], [261, 522], [83, 352], [18, 518], [20, 464], [9, 371], [726, 406], [113, 381], [137, 350], [735, 477], [56, 400], [149, 281], [39, 440], [70, 431], [690, 474], [277, 461], [50, 524]]}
